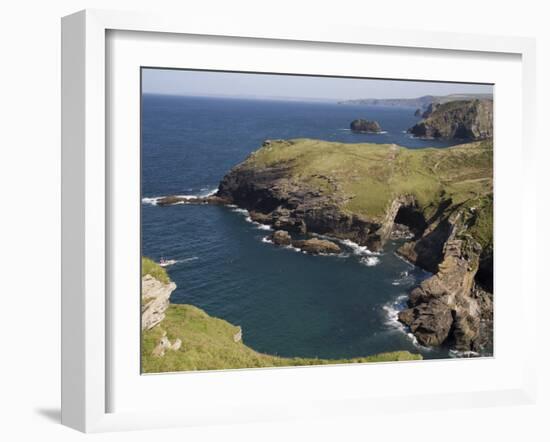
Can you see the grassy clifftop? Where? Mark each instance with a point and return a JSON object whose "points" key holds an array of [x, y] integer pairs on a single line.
{"points": [[371, 175], [150, 267], [208, 344], [366, 178]]}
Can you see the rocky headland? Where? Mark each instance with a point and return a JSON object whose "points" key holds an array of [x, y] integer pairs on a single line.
{"points": [[440, 199], [461, 119]]}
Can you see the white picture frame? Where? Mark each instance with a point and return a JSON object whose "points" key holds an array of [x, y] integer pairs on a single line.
{"points": [[86, 214]]}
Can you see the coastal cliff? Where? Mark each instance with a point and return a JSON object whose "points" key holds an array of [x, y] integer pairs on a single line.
{"points": [[180, 337], [420, 103], [368, 192], [461, 119]]}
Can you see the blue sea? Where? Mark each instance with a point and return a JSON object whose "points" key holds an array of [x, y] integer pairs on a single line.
{"points": [[287, 303]]}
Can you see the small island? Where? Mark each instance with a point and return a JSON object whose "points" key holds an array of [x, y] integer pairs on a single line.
{"points": [[365, 126]]}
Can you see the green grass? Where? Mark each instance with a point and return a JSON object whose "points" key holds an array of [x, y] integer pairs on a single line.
{"points": [[370, 176], [150, 267], [208, 345]]}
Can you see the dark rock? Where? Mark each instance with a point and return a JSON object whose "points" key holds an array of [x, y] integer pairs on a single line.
{"points": [[281, 238], [430, 323], [316, 246], [365, 126], [287, 219], [175, 199], [464, 119], [406, 316], [259, 217], [418, 112]]}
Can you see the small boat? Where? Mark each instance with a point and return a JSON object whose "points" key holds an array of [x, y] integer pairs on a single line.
{"points": [[166, 262]]}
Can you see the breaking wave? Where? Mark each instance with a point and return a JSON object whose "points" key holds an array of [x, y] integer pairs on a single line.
{"points": [[248, 219], [369, 261], [203, 193], [392, 310]]}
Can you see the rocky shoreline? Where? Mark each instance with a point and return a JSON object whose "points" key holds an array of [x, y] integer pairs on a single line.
{"points": [[449, 235]]}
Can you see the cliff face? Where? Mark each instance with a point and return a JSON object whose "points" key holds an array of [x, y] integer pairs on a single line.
{"points": [[450, 306], [463, 119], [421, 103], [155, 299], [362, 192]]}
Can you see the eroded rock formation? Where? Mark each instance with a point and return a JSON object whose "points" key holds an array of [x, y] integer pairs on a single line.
{"points": [[463, 119], [155, 299]]}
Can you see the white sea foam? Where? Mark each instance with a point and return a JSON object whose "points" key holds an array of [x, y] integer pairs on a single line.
{"points": [[239, 210], [208, 192], [463, 354], [369, 261], [204, 193], [392, 310], [261, 226], [357, 249], [247, 217], [244, 213], [267, 240], [193, 258], [405, 278], [152, 200]]}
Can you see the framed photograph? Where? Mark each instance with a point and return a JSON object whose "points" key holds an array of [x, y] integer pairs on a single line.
{"points": [[264, 223]]}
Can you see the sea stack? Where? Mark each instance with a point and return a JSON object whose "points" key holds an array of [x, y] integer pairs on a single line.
{"points": [[365, 126]]}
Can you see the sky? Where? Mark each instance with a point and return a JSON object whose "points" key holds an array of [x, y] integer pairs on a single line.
{"points": [[229, 84]]}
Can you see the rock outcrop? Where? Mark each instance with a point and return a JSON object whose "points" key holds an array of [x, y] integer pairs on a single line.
{"points": [[164, 345], [316, 246], [365, 126], [155, 299], [177, 199], [281, 238], [449, 306], [463, 119]]}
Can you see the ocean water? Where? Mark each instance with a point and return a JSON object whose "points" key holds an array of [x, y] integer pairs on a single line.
{"points": [[288, 303]]}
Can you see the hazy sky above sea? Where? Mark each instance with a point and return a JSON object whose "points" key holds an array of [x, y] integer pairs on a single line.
{"points": [[201, 83]]}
